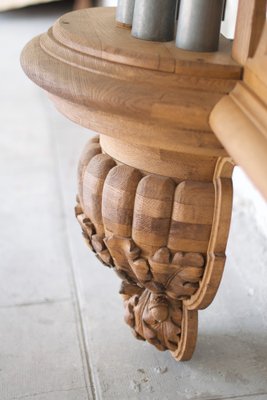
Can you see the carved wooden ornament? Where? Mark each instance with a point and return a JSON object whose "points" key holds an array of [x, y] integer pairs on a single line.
{"points": [[161, 238], [154, 190]]}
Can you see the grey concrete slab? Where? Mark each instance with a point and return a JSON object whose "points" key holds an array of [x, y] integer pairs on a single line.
{"points": [[33, 257], [33, 254], [40, 351], [71, 394]]}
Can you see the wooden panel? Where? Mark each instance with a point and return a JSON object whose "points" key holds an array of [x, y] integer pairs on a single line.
{"points": [[91, 149], [186, 213], [118, 200], [94, 178], [152, 212], [192, 217]]}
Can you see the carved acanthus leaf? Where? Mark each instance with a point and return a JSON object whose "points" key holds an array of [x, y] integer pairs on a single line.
{"points": [[153, 317], [153, 288], [94, 241], [177, 276]]}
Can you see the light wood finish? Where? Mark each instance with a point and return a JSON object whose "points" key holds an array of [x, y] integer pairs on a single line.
{"points": [[164, 161], [114, 44], [249, 25], [93, 148], [218, 237], [152, 212], [118, 200], [192, 216], [113, 72], [93, 181], [240, 119], [155, 194]]}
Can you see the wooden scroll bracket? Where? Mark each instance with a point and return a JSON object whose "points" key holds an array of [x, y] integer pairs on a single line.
{"points": [[155, 190], [164, 239]]}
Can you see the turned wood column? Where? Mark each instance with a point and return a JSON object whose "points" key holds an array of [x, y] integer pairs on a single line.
{"points": [[155, 192]]}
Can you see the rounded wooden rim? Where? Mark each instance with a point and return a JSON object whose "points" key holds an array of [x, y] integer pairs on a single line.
{"points": [[189, 333], [123, 25], [218, 239], [79, 30]]}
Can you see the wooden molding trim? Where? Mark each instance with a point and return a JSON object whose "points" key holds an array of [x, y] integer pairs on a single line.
{"points": [[239, 120]]}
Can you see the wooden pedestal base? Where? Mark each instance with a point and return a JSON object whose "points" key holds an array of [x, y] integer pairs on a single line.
{"points": [[164, 236]]}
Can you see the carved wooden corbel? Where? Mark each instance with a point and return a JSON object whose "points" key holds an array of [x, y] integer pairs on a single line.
{"points": [[154, 189], [164, 238]]}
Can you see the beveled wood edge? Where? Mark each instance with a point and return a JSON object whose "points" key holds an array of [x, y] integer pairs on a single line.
{"points": [[128, 50], [101, 118], [108, 124], [248, 144], [218, 239], [239, 119], [189, 335]]}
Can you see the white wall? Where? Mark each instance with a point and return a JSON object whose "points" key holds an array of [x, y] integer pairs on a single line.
{"points": [[248, 200], [107, 3], [228, 25]]}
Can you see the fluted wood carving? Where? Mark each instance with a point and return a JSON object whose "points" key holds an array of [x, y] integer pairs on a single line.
{"points": [[156, 235]]}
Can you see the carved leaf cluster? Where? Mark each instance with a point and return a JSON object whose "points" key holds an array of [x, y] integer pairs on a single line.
{"points": [[153, 317], [176, 275], [94, 241]]}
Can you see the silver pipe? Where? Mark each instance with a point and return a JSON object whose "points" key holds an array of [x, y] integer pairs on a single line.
{"points": [[124, 13], [199, 24], [154, 20]]}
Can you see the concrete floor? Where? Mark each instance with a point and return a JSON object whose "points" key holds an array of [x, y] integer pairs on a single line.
{"points": [[62, 335]]}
